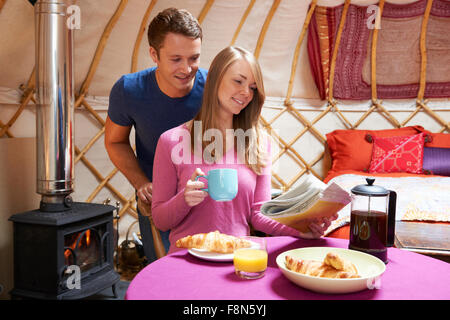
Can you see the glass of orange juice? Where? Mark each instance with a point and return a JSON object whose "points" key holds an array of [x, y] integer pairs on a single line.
{"points": [[251, 263]]}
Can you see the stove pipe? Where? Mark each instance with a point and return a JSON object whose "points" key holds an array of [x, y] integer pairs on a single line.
{"points": [[54, 106]]}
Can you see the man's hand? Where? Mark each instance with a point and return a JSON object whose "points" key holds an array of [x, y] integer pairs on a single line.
{"points": [[145, 192]]}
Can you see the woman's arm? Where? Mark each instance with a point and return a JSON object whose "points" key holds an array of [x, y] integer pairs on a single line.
{"points": [[261, 222], [270, 226], [263, 190], [168, 206]]}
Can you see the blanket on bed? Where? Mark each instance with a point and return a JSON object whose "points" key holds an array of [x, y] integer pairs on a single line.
{"points": [[418, 198]]}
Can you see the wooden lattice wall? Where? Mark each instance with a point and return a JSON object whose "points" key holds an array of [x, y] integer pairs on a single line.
{"points": [[307, 124]]}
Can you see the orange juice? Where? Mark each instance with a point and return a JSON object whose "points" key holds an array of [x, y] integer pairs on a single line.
{"points": [[250, 260]]}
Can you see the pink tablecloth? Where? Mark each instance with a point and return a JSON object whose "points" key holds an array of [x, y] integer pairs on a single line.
{"points": [[180, 276]]}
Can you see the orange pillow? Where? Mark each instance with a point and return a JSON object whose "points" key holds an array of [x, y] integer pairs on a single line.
{"points": [[439, 140], [350, 150]]}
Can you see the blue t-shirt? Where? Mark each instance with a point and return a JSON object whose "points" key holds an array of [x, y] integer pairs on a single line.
{"points": [[136, 100]]}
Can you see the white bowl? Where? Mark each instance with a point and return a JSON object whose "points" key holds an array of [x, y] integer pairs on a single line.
{"points": [[369, 268]]}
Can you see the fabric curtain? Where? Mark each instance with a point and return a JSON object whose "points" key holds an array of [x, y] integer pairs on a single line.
{"points": [[398, 53]]}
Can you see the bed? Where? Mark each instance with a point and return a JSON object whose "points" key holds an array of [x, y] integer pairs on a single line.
{"points": [[413, 162]]}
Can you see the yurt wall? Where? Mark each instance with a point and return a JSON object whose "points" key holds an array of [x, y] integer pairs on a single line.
{"points": [[111, 41]]}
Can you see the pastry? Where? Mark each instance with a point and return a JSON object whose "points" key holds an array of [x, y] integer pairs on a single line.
{"points": [[213, 241], [333, 266], [335, 261]]}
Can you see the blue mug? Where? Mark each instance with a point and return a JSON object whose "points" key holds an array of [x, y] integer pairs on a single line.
{"points": [[222, 184]]}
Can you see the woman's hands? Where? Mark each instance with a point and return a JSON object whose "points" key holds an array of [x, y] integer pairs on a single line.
{"points": [[318, 227], [193, 195]]}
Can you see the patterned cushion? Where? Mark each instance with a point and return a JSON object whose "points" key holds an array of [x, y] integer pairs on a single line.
{"points": [[350, 150], [397, 154], [437, 160]]}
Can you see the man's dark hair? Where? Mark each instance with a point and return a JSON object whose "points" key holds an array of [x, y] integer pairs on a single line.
{"points": [[173, 20]]}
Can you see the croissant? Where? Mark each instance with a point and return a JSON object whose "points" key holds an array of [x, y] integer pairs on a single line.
{"points": [[335, 261], [213, 241], [333, 266]]}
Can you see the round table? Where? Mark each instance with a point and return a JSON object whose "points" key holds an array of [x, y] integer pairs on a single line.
{"points": [[181, 276]]}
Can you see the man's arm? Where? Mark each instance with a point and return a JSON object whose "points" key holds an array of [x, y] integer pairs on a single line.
{"points": [[117, 144]]}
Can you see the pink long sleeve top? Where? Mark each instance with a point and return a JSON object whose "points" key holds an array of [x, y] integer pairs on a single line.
{"points": [[170, 210]]}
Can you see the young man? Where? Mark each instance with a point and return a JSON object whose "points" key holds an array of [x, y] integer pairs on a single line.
{"points": [[153, 101]]}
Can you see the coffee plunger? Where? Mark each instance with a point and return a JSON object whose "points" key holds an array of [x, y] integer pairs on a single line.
{"points": [[372, 219]]}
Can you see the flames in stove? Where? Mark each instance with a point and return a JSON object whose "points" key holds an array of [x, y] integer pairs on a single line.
{"points": [[83, 249], [73, 241]]}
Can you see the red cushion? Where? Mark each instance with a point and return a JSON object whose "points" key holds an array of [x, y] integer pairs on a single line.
{"points": [[374, 174], [350, 150], [397, 154], [439, 140]]}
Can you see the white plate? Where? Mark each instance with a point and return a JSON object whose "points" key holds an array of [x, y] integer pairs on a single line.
{"points": [[215, 256], [369, 268], [211, 256]]}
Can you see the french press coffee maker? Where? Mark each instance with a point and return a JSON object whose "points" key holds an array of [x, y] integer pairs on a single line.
{"points": [[372, 219]]}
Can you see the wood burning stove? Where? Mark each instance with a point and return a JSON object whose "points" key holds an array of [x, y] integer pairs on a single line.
{"points": [[65, 249], [64, 255]]}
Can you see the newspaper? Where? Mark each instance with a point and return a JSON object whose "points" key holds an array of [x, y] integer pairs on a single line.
{"points": [[310, 199]]}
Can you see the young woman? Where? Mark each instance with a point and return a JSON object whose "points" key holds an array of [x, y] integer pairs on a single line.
{"points": [[232, 102]]}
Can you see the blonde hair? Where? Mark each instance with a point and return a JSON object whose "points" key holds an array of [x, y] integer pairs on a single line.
{"points": [[247, 119]]}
